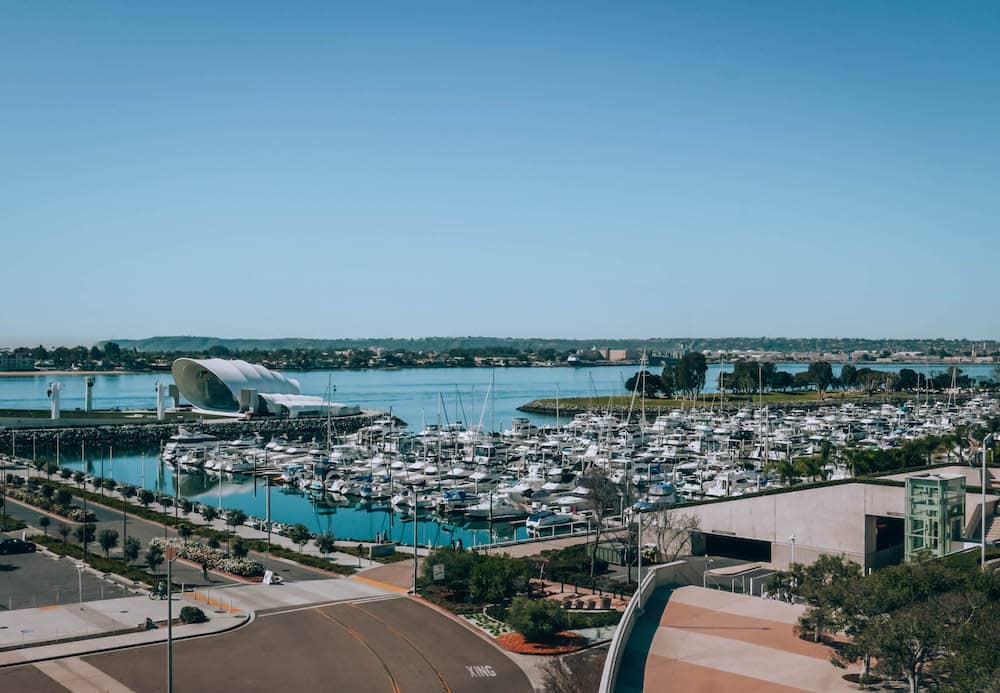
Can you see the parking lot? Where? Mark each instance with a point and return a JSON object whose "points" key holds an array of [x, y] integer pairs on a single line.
{"points": [[34, 579]]}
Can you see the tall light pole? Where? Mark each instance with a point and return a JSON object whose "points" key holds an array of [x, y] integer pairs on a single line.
{"points": [[639, 567], [3, 481], [79, 574], [792, 539], [982, 508], [414, 539], [171, 555]]}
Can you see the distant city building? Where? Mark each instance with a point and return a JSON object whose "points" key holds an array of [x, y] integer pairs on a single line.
{"points": [[237, 387], [9, 361], [615, 355]]}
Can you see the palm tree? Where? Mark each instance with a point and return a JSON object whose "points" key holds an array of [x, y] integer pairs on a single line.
{"points": [[784, 468], [809, 466]]}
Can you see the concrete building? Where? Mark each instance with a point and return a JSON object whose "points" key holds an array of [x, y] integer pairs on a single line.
{"points": [[614, 355], [869, 523], [9, 361]]}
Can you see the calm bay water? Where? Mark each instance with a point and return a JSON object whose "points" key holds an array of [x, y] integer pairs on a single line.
{"points": [[418, 396]]}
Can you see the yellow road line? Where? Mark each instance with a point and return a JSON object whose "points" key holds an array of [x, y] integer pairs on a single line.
{"points": [[392, 629], [357, 636]]}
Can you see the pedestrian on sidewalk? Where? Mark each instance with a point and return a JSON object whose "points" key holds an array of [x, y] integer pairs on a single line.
{"points": [[204, 570]]}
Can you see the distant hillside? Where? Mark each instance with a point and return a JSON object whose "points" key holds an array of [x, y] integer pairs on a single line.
{"points": [[192, 344]]}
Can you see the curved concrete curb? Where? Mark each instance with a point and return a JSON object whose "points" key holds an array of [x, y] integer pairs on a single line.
{"points": [[81, 648]]}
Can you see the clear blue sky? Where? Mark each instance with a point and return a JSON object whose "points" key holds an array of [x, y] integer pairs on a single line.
{"points": [[560, 169]]}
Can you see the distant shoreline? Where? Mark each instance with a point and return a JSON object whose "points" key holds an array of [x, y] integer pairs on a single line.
{"points": [[601, 364], [16, 374]]}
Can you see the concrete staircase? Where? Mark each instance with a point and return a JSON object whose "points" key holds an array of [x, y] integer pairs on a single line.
{"points": [[992, 529]]}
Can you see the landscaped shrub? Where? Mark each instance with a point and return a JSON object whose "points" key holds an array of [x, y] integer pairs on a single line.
{"points": [[200, 553], [571, 564], [538, 620], [192, 614], [498, 578]]}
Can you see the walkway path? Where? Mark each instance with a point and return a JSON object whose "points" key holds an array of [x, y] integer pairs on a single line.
{"points": [[709, 640]]}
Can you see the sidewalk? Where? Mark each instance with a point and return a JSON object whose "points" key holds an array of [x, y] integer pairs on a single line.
{"points": [[117, 619]]}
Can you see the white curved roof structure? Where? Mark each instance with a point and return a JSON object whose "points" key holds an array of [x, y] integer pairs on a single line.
{"points": [[216, 384]]}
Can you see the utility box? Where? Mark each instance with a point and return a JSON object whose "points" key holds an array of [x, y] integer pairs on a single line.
{"points": [[612, 552]]}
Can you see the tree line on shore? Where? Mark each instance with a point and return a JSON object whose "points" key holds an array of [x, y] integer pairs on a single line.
{"points": [[686, 377]]}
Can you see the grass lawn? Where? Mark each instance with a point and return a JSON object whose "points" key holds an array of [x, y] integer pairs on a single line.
{"points": [[654, 404]]}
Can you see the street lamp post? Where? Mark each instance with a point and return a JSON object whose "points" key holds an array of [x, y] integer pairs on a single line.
{"points": [[171, 555], [792, 539], [414, 539], [639, 567], [79, 575], [704, 576], [982, 508]]}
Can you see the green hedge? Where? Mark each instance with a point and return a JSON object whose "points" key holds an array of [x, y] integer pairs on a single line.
{"points": [[12, 523], [312, 561]]}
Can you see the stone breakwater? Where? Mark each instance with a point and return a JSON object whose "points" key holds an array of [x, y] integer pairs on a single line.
{"points": [[146, 436]]}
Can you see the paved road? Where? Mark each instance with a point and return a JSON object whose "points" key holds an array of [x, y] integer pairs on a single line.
{"points": [[28, 679], [33, 579], [395, 645]]}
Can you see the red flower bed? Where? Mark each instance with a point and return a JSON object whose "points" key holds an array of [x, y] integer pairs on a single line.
{"points": [[563, 643]]}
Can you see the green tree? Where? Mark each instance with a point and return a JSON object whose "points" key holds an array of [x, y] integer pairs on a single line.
{"points": [[907, 379], [185, 531], [848, 376], [300, 535], [644, 382], [130, 551], [326, 543], [821, 376], [537, 620], [240, 548], [818, 583], [457, 570], [784, 468], [809, 466], [63, 531], [63, 497], [497, 578], [604, 494], [909, 640], [154, 557], [84, 533], [44, 521], [108, 539], [234, 518], [689, 373], [146, 497], [209, 513]]}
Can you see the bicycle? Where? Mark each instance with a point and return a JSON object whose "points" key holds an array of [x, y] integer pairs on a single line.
{"points": [[159, 592]]}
